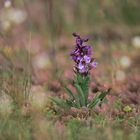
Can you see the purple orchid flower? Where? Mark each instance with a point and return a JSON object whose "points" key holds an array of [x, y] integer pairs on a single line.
{"points": [[82, 56]]}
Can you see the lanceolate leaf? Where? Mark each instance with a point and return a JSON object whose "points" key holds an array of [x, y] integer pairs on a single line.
{"points": [[70, 93], [83, 82], [85, 87], [98, 98], [95, 101], [69, 103], [79, 79], [59, 102], [73, 103], [73, 98], [102, 95], [80, 94]]}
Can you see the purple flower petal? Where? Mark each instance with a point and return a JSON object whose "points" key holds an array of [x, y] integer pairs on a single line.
{"points": [[94, 64], [80, 66], [82, 56], [79, 41], [87, 59]]}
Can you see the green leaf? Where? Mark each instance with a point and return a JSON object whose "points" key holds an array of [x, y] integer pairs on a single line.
{"points": [[80, 94], [85, 87], [79, 79], [70, 93], [102, 95], [94, 101], [69, 103], [74, 98], [98, 98], [72, 104], [59, 102], [83, 82]]}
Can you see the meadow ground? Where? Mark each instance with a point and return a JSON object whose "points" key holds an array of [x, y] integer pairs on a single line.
{"points": [[35, 44]]}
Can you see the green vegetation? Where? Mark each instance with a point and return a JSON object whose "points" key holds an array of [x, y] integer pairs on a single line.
{"points": [[35, 66]]}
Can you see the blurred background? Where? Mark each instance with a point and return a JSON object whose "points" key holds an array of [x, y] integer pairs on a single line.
{"points": [[35, 43], [36, 39], [44, 27]]}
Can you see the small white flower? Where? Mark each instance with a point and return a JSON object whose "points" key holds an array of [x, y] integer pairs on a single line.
{"points": [[11, 17], [125, 61], [17, 16], [7, 4], [136, 42], [41, 61]]}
